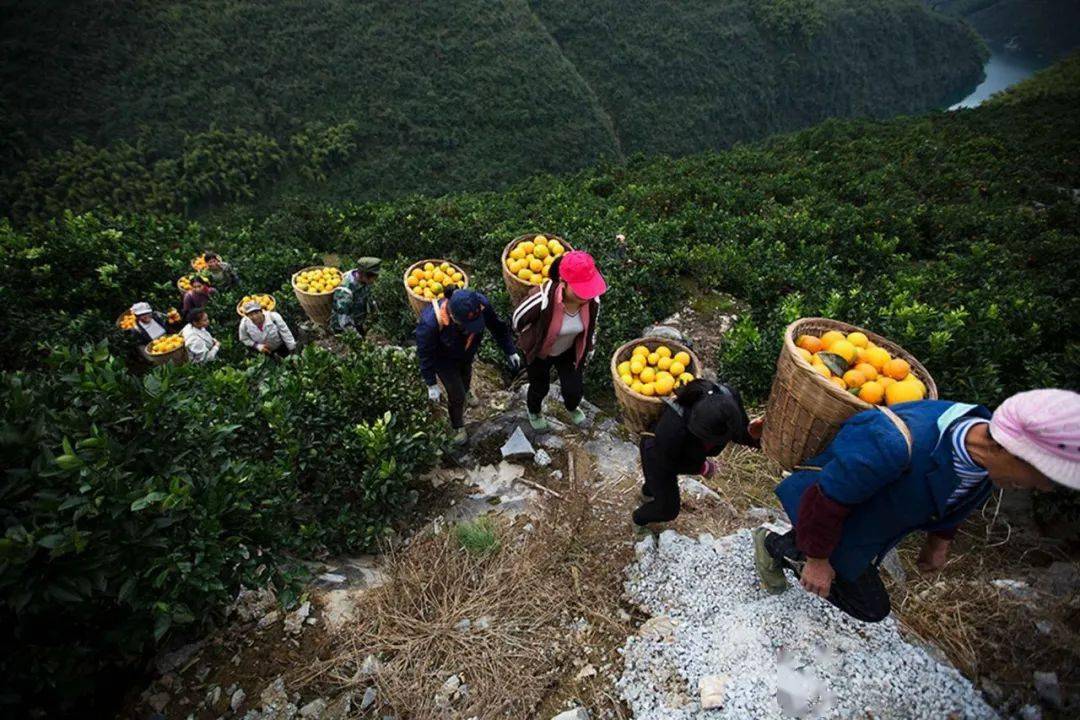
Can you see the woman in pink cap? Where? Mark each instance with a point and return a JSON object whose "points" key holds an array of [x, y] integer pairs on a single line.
{"points": [[925, 468], [555, 328]]}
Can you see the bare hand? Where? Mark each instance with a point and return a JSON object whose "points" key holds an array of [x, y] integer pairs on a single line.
{"points": [[264, 348], [817, 576], [934, 553], [755, 427]]}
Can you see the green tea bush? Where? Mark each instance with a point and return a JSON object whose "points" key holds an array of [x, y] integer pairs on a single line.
{"points": [[135, 507]]}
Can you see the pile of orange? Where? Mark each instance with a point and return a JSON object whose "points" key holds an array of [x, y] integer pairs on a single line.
{"points": [[165, 344], [199, 264], [655, 373], [531, 260], [855, 364], [431, 280]]}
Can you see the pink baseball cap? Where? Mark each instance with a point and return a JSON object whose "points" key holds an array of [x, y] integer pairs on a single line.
{"points": [[1043, 428], [579, 271]]}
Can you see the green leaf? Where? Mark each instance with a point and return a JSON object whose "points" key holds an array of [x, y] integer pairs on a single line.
{"points": [[837, 364], [52, 541]]}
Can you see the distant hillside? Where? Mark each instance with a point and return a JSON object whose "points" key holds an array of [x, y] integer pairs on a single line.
{"points": [[702, 74], [167, 105]]}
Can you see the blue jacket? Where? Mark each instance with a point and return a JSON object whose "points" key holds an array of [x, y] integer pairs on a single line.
{"points": [[442, 343], [866, 467]]}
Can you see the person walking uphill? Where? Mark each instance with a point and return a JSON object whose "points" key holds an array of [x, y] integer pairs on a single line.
{"points": [[555, 328], [448, 336], [926, 468], [701, 421], [353, 303]]}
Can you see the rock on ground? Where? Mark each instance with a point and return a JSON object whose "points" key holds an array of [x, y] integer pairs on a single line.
{"points": [[791, 648]]}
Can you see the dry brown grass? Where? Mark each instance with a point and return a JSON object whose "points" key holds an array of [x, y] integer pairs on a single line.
{"points": [[985, 630], [533, 589]]}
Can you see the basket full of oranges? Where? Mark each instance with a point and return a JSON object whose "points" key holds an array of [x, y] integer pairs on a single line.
{"points": [[527, 261], [828, 371], [427, 280]]}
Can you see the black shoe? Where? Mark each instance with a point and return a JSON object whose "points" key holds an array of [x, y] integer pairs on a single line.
{"points": [[645, 494]]}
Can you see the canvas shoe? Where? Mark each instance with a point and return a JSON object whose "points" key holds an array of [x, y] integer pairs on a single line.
{"points": [[771, 574]]}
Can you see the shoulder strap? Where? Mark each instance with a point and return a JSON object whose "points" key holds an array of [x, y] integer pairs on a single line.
{"points": [[901, 426], [679, 409]]}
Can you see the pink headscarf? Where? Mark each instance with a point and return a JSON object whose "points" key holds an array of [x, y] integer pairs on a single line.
{"points": [[1043, 428]]}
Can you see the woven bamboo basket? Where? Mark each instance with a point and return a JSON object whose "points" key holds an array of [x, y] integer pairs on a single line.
{"points": [[517, 288], [240, 305], [176, 357], [419, 302], [640, 412], [317, 306], [805, 410]]}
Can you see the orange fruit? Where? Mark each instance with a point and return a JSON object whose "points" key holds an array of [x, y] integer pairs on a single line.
{"points": [[854, 378], [877, 357], [872, 392], [653, 358], [868, 370], [804, 353], [648, 375], [902, 392], [858, 339], [664, 363], [830, 337], [683, 357], [820, 368], [897, 369], [885, 381], [648, 389], [677, 368], [809, 343], [838, 382], [844, 349]]}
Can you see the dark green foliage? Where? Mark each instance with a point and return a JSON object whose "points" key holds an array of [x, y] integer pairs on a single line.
{"points": [[681, 77], [106, 105], [135, 507]]}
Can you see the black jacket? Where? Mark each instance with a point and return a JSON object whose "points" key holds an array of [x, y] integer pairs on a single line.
{"points": [[674, 450]]}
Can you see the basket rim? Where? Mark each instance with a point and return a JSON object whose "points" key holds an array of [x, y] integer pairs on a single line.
{"points": [[239, 302], [292, 281], [790, 348], [405, 276], [521, 238], [620, 386]]}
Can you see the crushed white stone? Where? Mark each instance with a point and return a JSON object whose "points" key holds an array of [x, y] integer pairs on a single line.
{"points": [[791, 649]]}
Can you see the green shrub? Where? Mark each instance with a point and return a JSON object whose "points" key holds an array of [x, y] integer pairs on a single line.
{"points": [[135, 507]]}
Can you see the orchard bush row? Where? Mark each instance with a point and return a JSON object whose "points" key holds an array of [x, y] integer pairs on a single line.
{"points": [[134, 507]]}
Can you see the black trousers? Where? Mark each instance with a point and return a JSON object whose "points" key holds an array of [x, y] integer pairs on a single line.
{"points": [[864, 598], [456, 379], [571, 380], [661, 484]]}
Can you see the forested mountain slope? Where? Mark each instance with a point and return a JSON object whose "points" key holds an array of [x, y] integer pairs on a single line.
{"points": [[183, 105]]}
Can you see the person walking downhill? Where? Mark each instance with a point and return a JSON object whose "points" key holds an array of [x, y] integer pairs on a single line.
{"points": [[921, 466], [703, 418], [555, 327], [353, 303], [448, 336], [265, 331]]}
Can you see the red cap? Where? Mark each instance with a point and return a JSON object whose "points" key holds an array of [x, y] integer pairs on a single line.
{"points": [[579, 271]]}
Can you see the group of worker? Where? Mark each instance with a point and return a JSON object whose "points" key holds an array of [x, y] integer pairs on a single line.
{"points": [[922, 466]]}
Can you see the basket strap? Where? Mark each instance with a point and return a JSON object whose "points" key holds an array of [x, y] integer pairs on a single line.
{"points": [[901, 426]]}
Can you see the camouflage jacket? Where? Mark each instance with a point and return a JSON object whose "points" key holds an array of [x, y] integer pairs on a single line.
{"points": [[352, 304]]}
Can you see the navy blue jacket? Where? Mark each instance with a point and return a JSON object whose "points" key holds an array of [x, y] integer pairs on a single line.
{"points": [[444, 346], [866, 467]]}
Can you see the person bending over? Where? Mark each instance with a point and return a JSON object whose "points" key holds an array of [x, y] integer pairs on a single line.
{"points": [[921, 466]]}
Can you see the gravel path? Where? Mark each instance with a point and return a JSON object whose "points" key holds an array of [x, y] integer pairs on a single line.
{"points": [[712, 619]]}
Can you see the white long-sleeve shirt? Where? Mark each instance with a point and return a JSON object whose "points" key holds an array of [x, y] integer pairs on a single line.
{"points": [[273, 333], [201, 345]]}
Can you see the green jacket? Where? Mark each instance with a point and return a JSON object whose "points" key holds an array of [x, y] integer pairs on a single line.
{"points": [[353, 303]]}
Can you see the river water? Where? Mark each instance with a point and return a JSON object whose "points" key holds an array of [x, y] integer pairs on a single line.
{"points": [[1002, 71]]}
